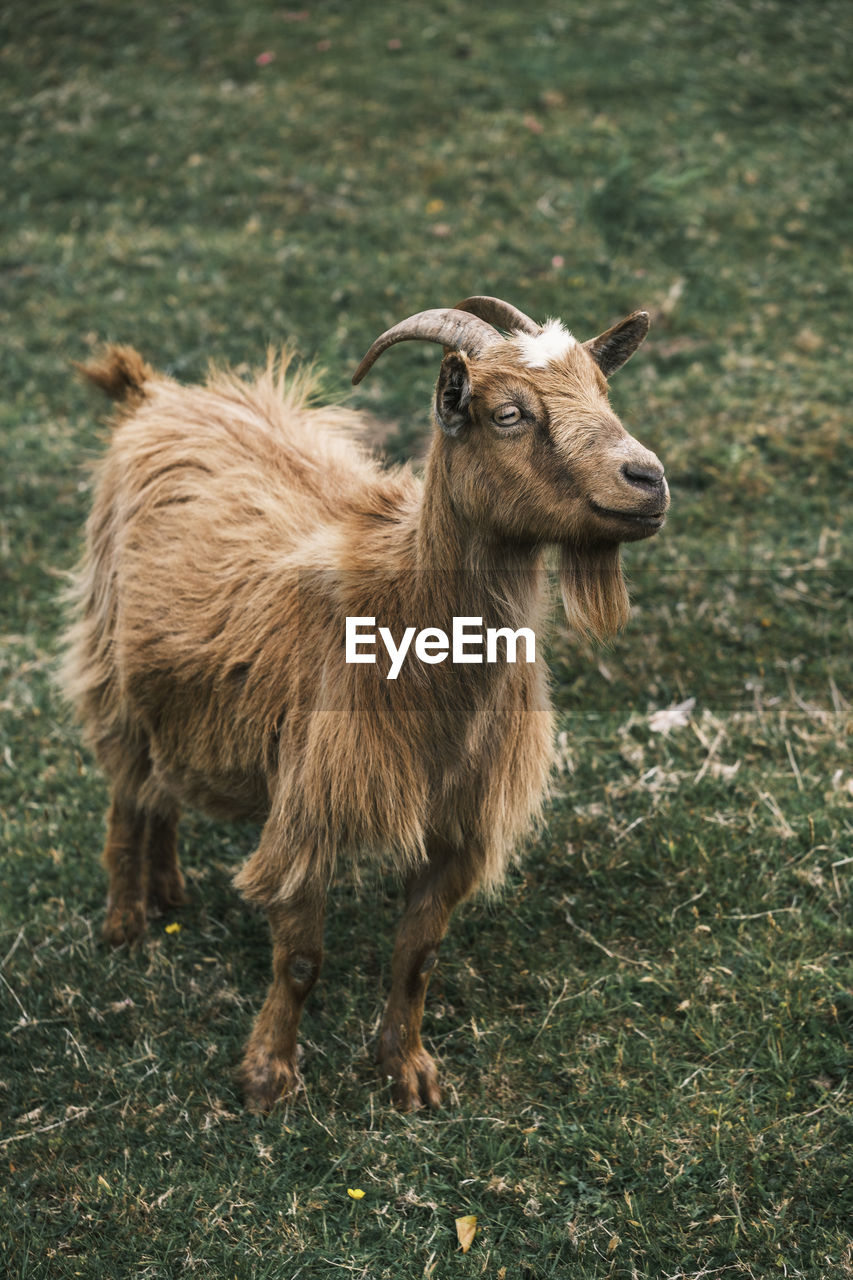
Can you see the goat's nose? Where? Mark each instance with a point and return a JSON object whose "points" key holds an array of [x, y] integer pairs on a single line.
{"points": [[645, 475]]}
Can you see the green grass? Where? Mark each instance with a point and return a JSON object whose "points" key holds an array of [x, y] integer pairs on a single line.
{"points": [[646, 1042]]}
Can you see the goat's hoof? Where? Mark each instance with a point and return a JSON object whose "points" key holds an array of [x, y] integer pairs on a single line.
{"points": [[414, 1080], [267, 1080], [124, 924], [167, 892]]}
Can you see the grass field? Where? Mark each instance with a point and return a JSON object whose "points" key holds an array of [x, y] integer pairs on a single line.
{"points": [[646, 1042]]}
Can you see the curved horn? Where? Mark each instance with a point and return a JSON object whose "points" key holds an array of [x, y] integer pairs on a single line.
{"points": [[447, 326], [503, 315]]}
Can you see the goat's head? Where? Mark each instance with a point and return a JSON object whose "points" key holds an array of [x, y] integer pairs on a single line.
{"points": [[533, 451]]}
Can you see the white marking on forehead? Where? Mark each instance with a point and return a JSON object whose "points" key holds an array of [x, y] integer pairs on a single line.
{"points": [[553, 343]]}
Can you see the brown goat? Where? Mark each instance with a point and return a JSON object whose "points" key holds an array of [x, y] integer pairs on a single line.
{"points": [[234, 530]]}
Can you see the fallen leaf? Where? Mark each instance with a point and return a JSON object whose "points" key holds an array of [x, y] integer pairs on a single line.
{"points": [[809, 341], [466, 1229], [674, 717]]}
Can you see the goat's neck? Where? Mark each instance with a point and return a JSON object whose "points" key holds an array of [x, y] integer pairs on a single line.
{"points": [[463, 565]]}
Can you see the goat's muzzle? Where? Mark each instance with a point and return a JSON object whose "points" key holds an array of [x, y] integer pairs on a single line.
{"points": [[639, 507]]}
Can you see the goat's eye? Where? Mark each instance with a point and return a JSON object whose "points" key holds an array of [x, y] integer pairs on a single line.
{"points": [[507, 415]]}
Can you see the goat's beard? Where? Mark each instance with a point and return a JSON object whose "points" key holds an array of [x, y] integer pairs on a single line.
{"points": [[594, 593]]}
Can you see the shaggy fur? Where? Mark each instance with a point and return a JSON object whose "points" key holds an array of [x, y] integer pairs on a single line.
{"points": [[234, 528]]}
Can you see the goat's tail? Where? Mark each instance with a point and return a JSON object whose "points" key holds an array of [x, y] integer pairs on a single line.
{"points": [[120, 372]]}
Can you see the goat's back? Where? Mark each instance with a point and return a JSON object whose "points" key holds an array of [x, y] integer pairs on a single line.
{"points": [[211, 505]]}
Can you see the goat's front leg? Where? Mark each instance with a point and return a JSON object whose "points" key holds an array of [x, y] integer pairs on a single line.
{"points": [[431, 895], [269, 1069]]}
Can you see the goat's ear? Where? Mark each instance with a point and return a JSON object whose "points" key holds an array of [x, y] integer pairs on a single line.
{"points": [[612, 348], [453, 394]]}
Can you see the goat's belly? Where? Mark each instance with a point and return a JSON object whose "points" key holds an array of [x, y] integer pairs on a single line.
{"points": [[232, 794], [203, 751]]}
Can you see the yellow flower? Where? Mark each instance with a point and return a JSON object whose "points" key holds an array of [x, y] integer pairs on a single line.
{"points": [[355, 1193], [173, 928]]}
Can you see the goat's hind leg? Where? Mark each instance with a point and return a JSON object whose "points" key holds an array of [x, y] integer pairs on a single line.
{"points": [[141, 850], [125, 860], [141, 857], [165, 889], [140, 854]]}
